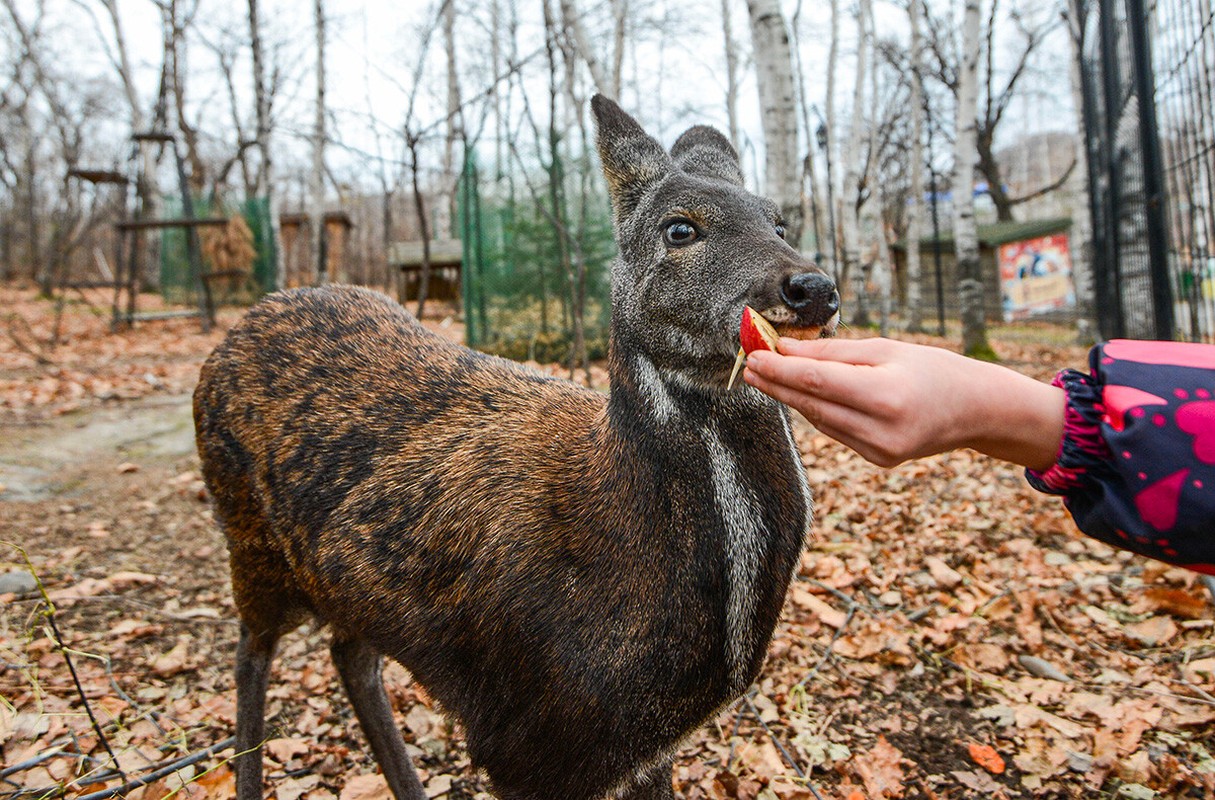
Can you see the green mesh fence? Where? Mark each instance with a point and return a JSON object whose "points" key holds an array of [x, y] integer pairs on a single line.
{"points": [[177, 282], [524, 283]]}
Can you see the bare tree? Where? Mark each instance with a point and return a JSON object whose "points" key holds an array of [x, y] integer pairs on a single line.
{"points": [[263, 99], [830, 140], [316, 177], [915, 201], [177, 17], [571, 21], [997, 97], [1082, 220], [965, 229], [778, 103], [810, 200], [855, 172], [882, 270], [620, 28], [997, 88], [731, 51]]}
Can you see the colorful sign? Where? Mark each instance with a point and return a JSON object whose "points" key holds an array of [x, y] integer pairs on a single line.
{"points": [[1036, 277]]}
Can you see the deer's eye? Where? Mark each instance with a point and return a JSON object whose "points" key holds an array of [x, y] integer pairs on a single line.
{"points": [[679, 233], [780, 229]]}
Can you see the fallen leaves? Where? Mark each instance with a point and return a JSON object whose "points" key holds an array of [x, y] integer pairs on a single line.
{"points": [[945, 621], [986, 757]]}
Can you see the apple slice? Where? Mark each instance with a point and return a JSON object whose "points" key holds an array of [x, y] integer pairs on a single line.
{"points": [[755, 333]]}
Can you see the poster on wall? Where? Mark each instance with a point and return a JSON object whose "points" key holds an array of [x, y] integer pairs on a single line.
{"points": [[1036, 277]]}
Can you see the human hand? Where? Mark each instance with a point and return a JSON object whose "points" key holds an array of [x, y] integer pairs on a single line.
{"points": [[893, 401]]}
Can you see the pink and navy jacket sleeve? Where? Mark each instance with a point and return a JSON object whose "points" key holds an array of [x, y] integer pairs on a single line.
{"points": [[1137, 464]]}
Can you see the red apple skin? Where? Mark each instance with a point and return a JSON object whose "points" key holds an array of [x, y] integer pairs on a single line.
{"points": [[752, 334]]}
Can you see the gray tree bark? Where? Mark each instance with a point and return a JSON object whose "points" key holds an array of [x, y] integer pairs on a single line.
{"points": [[854, 173], [1082, 219], [316, 178], [965, 228], [731, 48], [915, 203], [778, 103]]}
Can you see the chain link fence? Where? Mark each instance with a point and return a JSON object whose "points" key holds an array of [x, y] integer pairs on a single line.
{"points": [[537, 264], [1147, 71]]}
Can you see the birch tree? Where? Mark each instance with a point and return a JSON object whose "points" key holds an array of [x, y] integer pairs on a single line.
{"points": [[316, 177], [778, 105], [1082, 219], [263, 96], [915, 203], [731, 53], [829, 131], [854, 173], [965, 229], [881, 270]]}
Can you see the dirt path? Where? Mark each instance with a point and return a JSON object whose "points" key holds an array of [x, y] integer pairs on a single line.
{"points": [[39, 461]]}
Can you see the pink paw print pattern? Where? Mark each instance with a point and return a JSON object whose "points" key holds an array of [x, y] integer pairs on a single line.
{"points": [[1148, 485]]}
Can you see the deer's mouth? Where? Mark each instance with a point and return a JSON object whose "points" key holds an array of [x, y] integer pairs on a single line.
{"points": [[804, 324]]}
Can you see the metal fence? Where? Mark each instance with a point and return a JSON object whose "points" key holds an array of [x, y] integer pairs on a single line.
{"points": [[1148, 69], [531, 277]]}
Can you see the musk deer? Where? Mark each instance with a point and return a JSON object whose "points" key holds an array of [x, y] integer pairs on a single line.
{"points": [[580, 580]]}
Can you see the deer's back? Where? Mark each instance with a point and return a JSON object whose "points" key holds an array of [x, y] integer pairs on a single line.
{"points": [[459, 512]]}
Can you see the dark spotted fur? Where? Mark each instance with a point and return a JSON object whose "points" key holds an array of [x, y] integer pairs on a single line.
{"points": [[560, 570]]}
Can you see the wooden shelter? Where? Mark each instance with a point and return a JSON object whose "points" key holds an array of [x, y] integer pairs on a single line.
{"points": [[446, 268], [335, 238]]}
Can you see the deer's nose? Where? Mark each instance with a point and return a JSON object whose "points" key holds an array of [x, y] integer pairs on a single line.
{"points": [[811, 294]]}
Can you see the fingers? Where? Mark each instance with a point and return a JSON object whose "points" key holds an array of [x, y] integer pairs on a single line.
{"points": [[851, 351], [846, 425], [836, 381]]}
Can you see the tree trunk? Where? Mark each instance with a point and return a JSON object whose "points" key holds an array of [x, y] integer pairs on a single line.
{"points": [[316, 178], [850, 200], [620, 18], [778, 102], [419, 206], [965, 230], [571, 20], [915, 203], [727, 29], [145, 187], [809, 189], [882, 271], [264, 181], [837, 271], [1082, 217], [989, 166]]}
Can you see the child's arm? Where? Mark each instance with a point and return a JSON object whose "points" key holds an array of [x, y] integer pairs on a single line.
{"points": [[1131, 446], [893, 401]]}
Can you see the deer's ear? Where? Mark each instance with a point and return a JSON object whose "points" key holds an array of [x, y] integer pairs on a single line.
{"points": [[704, 151], [632, 160]]}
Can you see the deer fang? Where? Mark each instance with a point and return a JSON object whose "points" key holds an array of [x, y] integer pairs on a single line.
{"points": [[755, 333]]}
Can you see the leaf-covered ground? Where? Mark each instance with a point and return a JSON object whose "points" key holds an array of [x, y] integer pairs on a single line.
{"points": [[948, 635]]}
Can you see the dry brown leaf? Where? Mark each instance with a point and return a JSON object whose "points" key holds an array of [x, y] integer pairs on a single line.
{"points": [[945, 576], [283, 750], [986, 757], [877, 638], [175, 661], [1177, 602], [881, 770], [982, 656], [1152, 632], [825, 613]]}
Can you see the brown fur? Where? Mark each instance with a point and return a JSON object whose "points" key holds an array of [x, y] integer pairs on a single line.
{"points": [[560, 570]]}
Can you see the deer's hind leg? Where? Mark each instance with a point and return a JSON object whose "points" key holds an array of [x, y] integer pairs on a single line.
{"points": [[361, 670], [269, 605]]}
